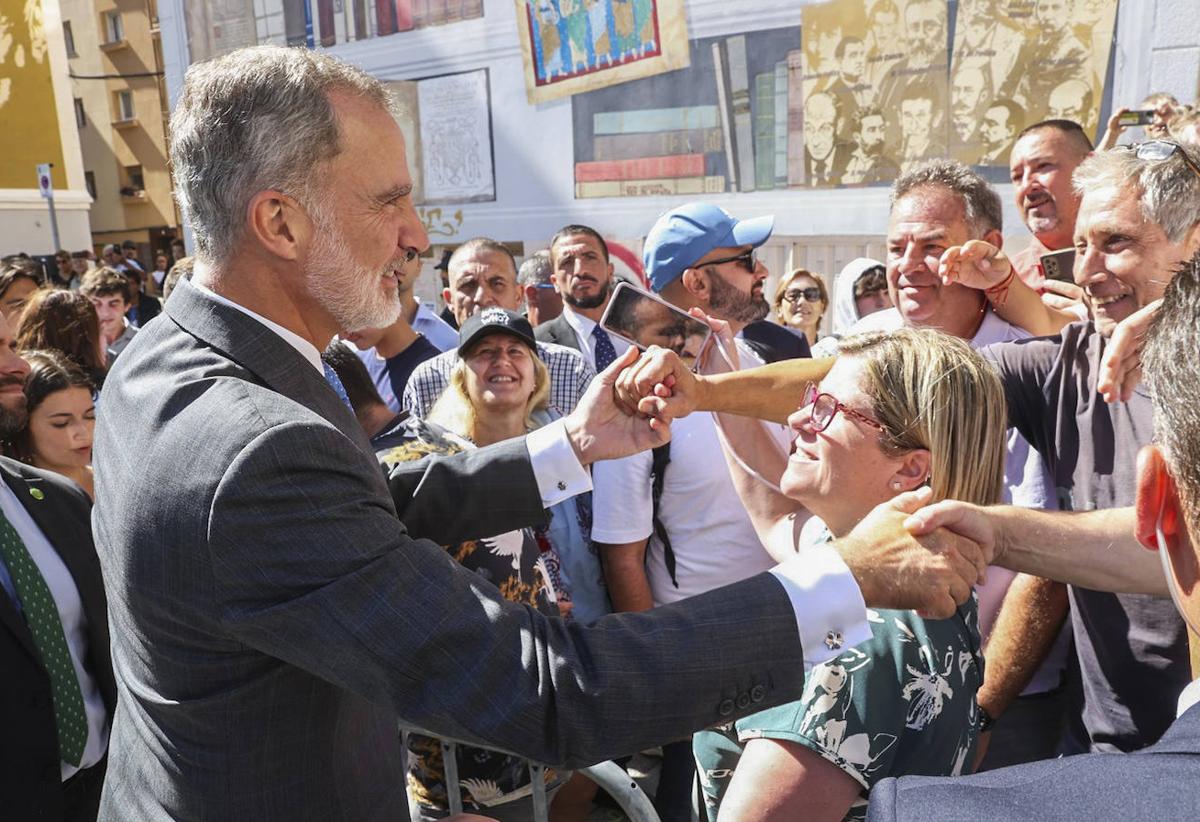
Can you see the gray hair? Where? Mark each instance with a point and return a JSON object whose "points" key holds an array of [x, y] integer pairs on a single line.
{"points": [[1169, 357], [256, 119], [536, 269], [1168, 191], [980, 202]]}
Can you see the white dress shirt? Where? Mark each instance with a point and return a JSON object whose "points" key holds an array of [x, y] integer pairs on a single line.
{"points": [[74, 621], [828, 606], [439, 332], [587, 341]]}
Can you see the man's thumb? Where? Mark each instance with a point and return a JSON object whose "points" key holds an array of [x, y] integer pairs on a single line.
{"points": [[911, 501]]}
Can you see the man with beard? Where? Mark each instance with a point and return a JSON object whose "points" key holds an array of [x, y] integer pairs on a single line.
{"points": [[391, 354], [582, 276], [867, 165], [669, 525], [1045, 156], [57, 694], [968, 93], [481, 274]]}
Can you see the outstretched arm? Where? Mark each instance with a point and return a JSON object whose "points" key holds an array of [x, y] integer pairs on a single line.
{"points": [[981, 264]]}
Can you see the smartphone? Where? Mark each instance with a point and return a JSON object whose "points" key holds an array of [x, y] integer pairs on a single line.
{"points": [[1059, 265], [643, 319], [1142, 117]]}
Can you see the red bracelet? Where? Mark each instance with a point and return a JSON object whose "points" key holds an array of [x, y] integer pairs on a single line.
{"points": [[999, 292]]}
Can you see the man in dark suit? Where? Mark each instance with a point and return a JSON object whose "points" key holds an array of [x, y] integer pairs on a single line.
{"points": [[1161, 781], [57, 692], [273, 617], [583, 277]]}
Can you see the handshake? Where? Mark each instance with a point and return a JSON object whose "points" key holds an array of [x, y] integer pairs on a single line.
{"points": [[928, 564]]}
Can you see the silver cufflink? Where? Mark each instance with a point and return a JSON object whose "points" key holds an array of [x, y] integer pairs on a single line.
{"points": [[562, 486], [833, 640]]}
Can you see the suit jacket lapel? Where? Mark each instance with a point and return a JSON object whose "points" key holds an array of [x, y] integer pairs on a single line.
{"points": [[79, 555], [271, 359]]}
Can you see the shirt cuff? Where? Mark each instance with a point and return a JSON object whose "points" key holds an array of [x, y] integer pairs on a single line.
{"points": [[830, 612], [559, 473]]}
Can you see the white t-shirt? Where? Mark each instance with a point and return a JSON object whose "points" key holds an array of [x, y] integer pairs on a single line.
{"points": [[711, 534]]}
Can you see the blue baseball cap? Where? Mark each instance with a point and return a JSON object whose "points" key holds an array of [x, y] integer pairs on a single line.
{"points": [[683, 235]]}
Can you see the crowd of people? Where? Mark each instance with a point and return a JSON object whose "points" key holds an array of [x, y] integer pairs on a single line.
{"points": [[325, 511]]}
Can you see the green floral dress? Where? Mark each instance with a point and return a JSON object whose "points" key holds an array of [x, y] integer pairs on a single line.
{"points": [[901, 703]]}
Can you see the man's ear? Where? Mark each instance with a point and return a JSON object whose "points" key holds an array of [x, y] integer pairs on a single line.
{"points": [[530, 292], [279, 224], [913, 471], [696, 283], [1157, 500], [994, 237]]}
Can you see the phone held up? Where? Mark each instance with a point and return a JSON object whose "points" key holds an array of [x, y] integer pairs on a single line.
{"points": [[642, 319], [1059, 265], [1143, 117]]}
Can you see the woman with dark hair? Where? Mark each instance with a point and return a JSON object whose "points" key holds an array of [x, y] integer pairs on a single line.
{"points": [[64, 321], [62, 415], [18, 281]]}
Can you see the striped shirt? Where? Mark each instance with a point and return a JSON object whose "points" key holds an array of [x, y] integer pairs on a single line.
{"points": [[570, 376]]}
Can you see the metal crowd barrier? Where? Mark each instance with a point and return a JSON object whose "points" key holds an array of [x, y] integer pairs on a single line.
{"points": [[608, 775]]}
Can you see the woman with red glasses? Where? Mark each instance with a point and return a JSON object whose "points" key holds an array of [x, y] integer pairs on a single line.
{"points": [[895, 413]]}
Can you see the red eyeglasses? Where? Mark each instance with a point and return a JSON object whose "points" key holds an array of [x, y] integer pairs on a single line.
{"points": [[824, 407]]}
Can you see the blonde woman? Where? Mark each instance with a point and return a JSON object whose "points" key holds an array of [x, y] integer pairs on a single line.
{"points": [[499, 389], [896, 412], [800, 303]]}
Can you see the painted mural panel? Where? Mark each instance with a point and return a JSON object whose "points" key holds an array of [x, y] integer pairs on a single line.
{"points": [[573, 46], [27, 103], [1016, 62]]}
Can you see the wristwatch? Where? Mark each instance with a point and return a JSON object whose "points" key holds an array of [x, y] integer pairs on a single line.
{"points": [[986, 720]]}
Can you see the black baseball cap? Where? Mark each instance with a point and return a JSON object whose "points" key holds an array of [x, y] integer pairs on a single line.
{"points": [[495, 320]]}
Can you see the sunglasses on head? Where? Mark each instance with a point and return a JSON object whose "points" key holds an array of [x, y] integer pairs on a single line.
{"points": [[1155, 151]]}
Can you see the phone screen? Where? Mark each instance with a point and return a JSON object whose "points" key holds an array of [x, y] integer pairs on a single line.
{"points": [[645, 320], [1059, 265], [1136, 118]]}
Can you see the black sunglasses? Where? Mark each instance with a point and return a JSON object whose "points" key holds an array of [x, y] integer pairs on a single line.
{"points": [[812, 295], [745, 259]]}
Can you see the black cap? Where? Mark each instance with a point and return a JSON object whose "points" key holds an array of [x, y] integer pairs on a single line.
{"points": [[495, 320]]}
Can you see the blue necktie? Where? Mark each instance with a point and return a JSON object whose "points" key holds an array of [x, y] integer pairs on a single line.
{"points": [[335, 383], [605, 353]]}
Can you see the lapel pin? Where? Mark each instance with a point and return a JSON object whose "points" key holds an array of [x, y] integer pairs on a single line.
{"points": [[36, 493]]}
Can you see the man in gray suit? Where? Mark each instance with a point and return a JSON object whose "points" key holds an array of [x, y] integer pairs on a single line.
{"points": [[272, 618]]}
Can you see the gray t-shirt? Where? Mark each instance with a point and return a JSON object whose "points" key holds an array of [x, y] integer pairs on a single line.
{"points": [[1133, 652]]}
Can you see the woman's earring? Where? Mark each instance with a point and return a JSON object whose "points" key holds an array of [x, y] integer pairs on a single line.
{"points": [[895, 485]]}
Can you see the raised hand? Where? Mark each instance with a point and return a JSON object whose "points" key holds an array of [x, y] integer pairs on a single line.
{"points": [[931, 573], [975, 264], [602, 429], [1121, 365]]}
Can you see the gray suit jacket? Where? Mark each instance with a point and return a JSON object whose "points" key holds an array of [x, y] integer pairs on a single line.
{"points": [[558, 331], [272, 620]]}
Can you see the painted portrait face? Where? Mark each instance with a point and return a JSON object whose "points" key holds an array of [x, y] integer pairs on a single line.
{"points": [[967, 94], [1069, 101], [871, 135], [1052, 15], [854, 60], [926, 32], [994, 128], [916, 117], [820, 125]]}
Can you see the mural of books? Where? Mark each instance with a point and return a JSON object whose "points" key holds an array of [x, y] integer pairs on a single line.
{"points": [[720, 125], [572, 46], [447, 127], [216, 27]]}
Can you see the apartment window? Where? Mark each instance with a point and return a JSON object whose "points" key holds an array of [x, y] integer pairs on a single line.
{"points": [[125, 105], [80, 117], [69, 39], [89, 180], [135, 177], [114, 29]]}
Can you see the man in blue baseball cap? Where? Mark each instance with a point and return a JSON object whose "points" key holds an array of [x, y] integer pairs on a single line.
{"points": [[695, 255]]}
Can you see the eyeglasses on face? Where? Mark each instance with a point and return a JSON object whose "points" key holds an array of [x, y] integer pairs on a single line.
{"points": [[745, 260], [812, 295], [1155, 151], [823, 407]]}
